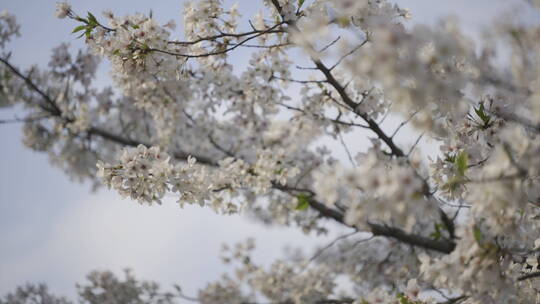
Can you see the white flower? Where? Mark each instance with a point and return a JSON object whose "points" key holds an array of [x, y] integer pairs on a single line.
{"points": [[62, 9]]}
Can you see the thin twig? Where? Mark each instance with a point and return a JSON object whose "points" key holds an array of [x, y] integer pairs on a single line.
{"points": [[346, 148], [415, 144], [332, 243], [24, 120], [348, 54], [330, 44], [403, 123]]}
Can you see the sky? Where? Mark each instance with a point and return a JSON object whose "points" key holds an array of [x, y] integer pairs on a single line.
{"points": [[56, 230]]}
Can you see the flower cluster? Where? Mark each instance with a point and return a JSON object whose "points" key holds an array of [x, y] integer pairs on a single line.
{"points": [[62, 9], [142, 174], [378, 189], [474, 267], [283, 282], [8, 28], [146, 174]]}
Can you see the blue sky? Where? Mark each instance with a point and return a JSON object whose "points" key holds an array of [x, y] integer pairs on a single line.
{"points": [[56, 230]]}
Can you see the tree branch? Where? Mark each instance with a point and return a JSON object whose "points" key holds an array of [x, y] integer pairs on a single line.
{"points": [[376, 229], [396, 151], [531, 275], [54, 111], [443, 246]]}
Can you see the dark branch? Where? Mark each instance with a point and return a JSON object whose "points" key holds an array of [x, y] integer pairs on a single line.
{"points": [[220, 52], [396, 151], [51, 104], [531, 275], [443, 246]]}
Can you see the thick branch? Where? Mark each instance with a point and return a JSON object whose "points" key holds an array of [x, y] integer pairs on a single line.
{"points": [[531, 275], [412, 239], [444, 246]]}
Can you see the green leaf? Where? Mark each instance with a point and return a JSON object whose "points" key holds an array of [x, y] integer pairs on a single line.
{"points": [[480, 110], [79, 28], [300, 3], [303, 201], [343, 21], [461, 163], [92, 19], [515, 34], [448, 157], [477, 235], [481, 113], [437, 234], [403, 299], [7, 75]]}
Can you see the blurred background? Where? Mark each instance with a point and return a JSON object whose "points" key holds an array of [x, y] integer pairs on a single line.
{"points": [[55, 230]]}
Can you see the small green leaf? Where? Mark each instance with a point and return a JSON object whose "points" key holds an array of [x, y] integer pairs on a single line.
{"points": [[303, 201], [448, 157], [477, 235], [92, 19], [135, 26], [7, 75], [79, 28], [481, 113], [403, 299], [515, 34], [437, 234], [480, 110], [300, 3], [343, 21], [461, 163]]}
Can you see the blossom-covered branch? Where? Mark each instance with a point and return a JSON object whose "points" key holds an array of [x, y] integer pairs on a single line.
{"points": [[268, 138]]}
